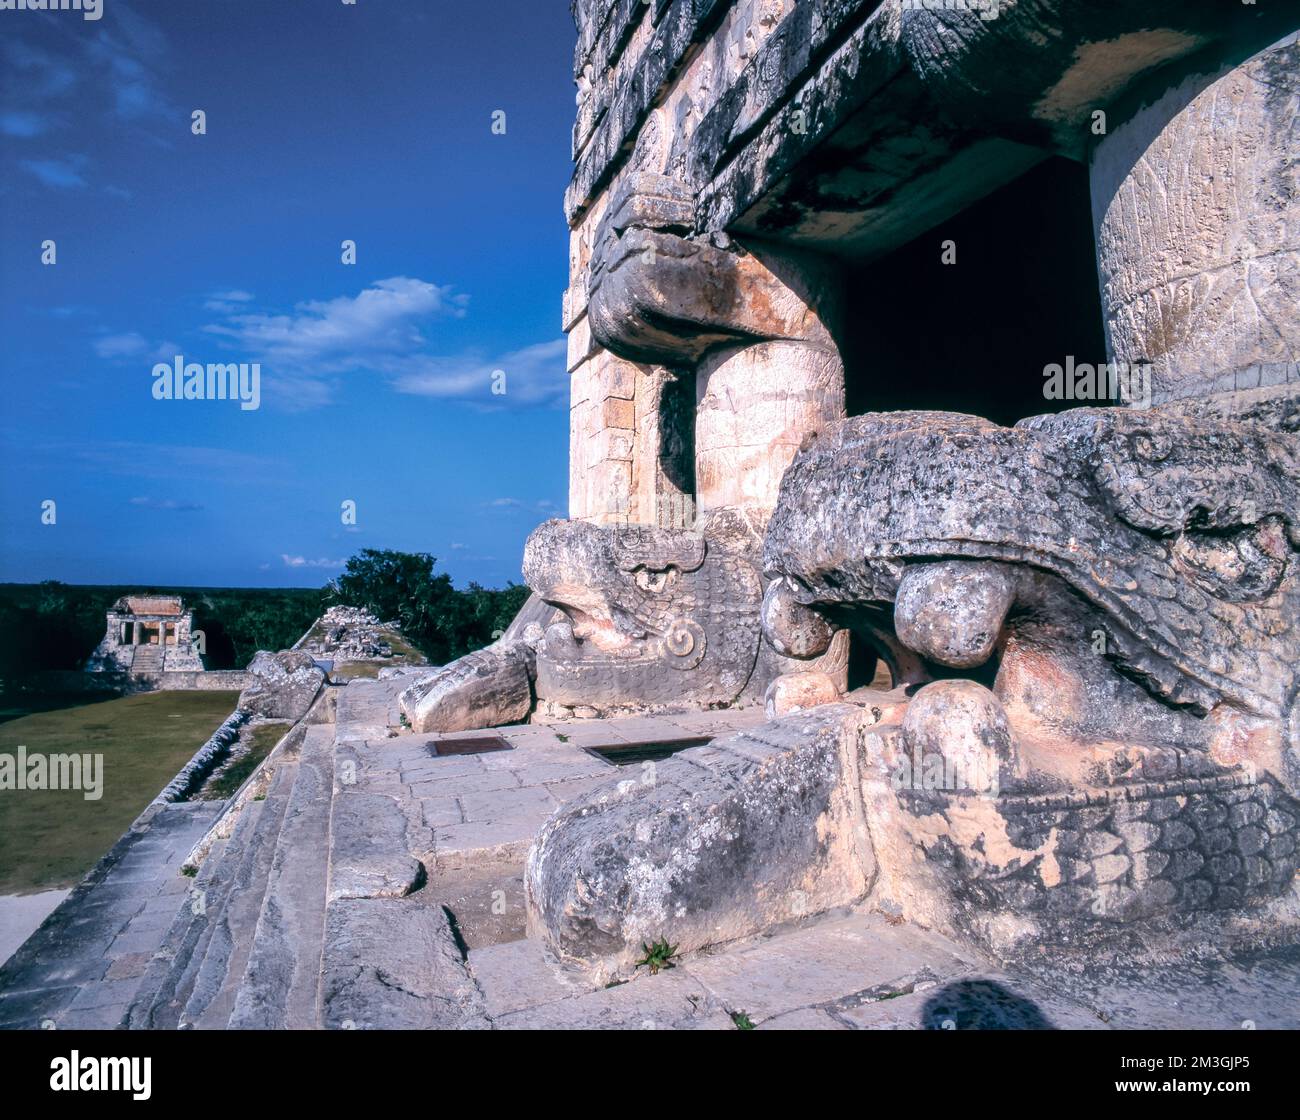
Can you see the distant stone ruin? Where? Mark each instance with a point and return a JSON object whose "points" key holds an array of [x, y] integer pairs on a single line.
{"points": [[147, 634], [346, 634]]}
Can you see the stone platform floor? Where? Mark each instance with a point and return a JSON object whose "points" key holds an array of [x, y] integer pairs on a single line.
{"points": [[395, 899], [477, 816]]}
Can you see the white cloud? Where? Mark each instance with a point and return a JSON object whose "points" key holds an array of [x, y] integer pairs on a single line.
{"points": [[544, 506], [382, 330], [535, 374], [343, 333], [303, 562], [227, 303], [133, 345], [121, 345]]}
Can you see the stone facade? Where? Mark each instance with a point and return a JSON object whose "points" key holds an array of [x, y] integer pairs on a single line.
{"points": [[147, 634], [1113, 587], [1117, 583]]}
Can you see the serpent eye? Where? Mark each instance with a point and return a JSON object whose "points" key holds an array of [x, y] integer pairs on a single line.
{"points": [[654, 582]]}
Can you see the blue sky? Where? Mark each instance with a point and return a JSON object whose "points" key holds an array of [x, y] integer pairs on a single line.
{"points": [[325, 121]]}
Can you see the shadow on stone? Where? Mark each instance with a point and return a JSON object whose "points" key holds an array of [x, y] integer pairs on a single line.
{"points": [[981, 1005]]}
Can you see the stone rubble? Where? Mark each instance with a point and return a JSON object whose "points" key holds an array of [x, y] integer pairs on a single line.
{"points": [[345, 633]]}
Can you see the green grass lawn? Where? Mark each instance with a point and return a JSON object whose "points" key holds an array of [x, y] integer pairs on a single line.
{"points": [[51, 838]]}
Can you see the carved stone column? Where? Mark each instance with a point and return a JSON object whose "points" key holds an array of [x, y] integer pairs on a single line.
{"points": [[750, 325], [1196, 202], [756, 405]]}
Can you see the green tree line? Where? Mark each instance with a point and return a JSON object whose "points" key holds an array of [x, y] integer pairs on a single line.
{"points": [[53, 625]]}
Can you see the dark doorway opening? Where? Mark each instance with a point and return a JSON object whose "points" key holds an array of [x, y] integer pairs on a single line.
{"points": [[976, 335]]}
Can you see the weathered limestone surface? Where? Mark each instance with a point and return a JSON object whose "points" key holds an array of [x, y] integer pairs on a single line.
{"points": [[1175, 538], [1135, 574], [280, 986], [369, 857], [793, 692], [654, 617], [756, 406], [658, 296], [1162, 858], [1196, 201], [284, 686], [713, 844], [486, 688], [952, 612], [389, 965]]}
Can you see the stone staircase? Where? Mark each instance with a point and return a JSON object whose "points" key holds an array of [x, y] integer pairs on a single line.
{"points": [[147, 659], [310, 908], [245, 951]]}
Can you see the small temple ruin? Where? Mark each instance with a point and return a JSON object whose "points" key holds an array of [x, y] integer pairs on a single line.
{"points": [[147, 634]]}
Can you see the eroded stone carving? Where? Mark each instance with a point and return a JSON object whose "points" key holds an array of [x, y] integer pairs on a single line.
{"points": [[1120, 546], [660, 295], [677, 849], [487, 688], [284, 684], [654, 617], [1135, 577]]}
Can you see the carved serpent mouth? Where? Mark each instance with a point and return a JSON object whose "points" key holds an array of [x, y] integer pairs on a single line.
{"points": [[612, 631], [618, 636]]}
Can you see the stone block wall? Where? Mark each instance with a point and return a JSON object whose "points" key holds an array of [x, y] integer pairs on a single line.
{"points": [[646, 74]]}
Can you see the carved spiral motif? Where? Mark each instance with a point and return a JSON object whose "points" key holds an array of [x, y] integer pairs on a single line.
{"points": [[1152, 447], [683, 643]]}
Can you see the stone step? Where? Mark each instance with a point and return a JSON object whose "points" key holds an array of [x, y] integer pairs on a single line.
{"points": [[368, 709], [395, 964], [225, 956], [168, 985], [146, 659], [280, 988], [157, 1002]]}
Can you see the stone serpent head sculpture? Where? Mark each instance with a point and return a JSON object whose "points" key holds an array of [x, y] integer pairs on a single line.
{"points": [[653, 616], [1133, 576]]}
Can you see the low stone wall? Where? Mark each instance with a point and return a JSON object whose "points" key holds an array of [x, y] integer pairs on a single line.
{"points": [[193, 773], [212, 681], [71, 680]]}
